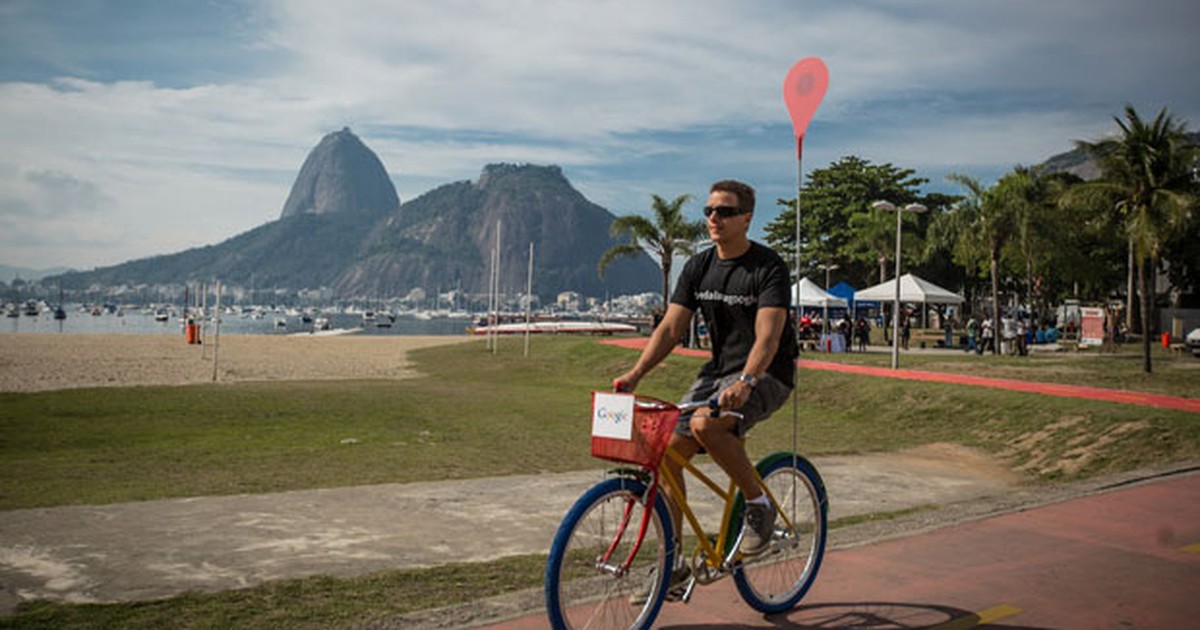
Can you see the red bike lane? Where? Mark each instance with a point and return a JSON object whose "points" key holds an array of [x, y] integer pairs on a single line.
{"points": [[1123, 558]]}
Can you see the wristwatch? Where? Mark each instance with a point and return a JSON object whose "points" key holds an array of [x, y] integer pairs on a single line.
{"points": [[749, 379]]}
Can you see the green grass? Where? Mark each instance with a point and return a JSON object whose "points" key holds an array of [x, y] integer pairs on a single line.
{"points": [[315, 602], [472, 415], [475, 414]]}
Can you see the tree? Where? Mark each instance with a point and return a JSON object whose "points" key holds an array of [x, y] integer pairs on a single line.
{"points": [[836, 218], [1149, 173], [670, 233]]}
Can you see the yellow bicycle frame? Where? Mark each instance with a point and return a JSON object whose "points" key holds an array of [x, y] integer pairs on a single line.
{"points": [[712, 557]]}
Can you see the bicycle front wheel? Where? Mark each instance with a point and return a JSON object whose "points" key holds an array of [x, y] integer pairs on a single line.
{"points": [[584, 589], [778, 579]]}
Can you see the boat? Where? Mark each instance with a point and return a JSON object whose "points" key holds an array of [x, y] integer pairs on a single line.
{"points": [[555, 327], [280, 322], [161, 315], [385, 320], [60, 313], [328, 332]]}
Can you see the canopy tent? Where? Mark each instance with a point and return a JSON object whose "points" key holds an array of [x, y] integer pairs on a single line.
{"points": [[812, 295], [846, 291], [912, 289], [842, 290]]}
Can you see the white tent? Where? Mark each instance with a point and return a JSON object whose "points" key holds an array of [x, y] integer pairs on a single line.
{"points": [[912, 289], [812, 295]]}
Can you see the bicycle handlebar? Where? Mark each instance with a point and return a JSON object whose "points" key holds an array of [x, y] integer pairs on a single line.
{"points": [[712, 406], [711, 403]]}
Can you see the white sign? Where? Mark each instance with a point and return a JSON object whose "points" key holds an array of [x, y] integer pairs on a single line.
{"points": [[612, 415], [1091, 326]]}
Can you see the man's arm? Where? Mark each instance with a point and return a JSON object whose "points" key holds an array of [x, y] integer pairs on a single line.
{"points": [[664, 339], [768, 328]]}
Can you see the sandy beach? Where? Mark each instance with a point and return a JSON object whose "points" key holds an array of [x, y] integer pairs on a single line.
{"points": [[40, 362]]}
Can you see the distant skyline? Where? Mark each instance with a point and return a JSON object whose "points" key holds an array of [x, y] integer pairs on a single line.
{"points": [[133, 128]]}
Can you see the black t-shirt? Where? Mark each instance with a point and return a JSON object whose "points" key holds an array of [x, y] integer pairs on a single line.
{"points": [[729, 293]]}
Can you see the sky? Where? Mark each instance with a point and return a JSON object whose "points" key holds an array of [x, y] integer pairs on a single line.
{"points": [[133, 128]]}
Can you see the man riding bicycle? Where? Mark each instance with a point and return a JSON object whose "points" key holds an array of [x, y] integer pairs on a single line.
{"points": [[743, 290]]}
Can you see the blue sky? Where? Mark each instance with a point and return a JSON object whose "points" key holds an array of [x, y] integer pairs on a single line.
{"points": [[130, 128]]}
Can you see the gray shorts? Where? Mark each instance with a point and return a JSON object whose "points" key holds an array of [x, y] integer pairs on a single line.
{"points": [[765, 398]]}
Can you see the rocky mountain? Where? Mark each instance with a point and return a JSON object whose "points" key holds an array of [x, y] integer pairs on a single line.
{"points": [[343, 228], [1077, 162], [445, 237], [341, 175]]}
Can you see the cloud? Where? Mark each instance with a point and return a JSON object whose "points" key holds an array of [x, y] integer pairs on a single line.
{"points": [[185, 123], [62, 193]]}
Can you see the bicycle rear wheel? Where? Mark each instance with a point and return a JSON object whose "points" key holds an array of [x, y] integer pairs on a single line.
{"points": [[582, 591], [778, 579]]}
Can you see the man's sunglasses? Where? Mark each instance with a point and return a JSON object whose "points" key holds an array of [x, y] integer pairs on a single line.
{"points": [[722, 211]]}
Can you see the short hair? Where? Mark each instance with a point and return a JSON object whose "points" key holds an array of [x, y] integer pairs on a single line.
{"points": [[744, 192]]}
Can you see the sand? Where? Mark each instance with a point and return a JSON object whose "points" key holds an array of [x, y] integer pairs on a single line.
{"points": [[41, 362]]}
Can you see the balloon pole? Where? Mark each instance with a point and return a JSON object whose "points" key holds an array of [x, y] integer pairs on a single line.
{"points": [[803, 89], [796, 323]]}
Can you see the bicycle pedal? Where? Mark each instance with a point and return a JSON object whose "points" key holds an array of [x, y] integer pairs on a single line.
{"points": [[686, 595], [677, 594]]}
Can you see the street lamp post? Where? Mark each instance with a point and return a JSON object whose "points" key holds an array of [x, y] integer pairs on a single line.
{"points": [[825, 316], [891, 207]]}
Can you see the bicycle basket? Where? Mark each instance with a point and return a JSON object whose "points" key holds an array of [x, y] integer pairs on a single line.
{"points": [[629, 429]]}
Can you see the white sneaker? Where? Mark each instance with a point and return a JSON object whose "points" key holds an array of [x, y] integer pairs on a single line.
{"points": [[759, 527]]}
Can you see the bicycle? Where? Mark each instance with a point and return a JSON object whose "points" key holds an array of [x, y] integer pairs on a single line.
{"points": [[599, 564]]}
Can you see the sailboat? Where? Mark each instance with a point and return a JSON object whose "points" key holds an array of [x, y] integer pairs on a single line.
{"points": [[59, 312]]}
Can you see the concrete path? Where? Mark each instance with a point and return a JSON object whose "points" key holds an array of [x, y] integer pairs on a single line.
{"points": [[1125, 557], [139, 551]]}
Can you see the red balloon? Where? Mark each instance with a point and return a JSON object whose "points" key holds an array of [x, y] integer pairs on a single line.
{"points": [[803, 90]]}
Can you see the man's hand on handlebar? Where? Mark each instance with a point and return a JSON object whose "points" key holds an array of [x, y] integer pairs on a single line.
{"points": [[626, 382], [734, 396]]}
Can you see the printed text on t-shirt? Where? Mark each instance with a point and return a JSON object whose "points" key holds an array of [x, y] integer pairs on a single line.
{"points": [[732, 300]]}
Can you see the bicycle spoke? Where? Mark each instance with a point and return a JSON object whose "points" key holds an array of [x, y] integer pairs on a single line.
{"points": [[778, 578], [589, 594]]}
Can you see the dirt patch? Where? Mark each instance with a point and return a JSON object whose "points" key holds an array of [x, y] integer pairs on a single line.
{"points": [[1067, 447], [947, 457]]}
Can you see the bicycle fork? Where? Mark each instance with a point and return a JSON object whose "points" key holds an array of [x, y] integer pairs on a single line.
{"points": [[603, 563]]}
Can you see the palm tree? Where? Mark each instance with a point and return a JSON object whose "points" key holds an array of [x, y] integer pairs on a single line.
{"points": [[670, 233], [875, 232], [1023, 193], [1147, 174], [986, 227]]}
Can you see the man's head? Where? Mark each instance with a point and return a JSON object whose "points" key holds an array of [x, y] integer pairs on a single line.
{"points": [[743, 191], [730, 207]]}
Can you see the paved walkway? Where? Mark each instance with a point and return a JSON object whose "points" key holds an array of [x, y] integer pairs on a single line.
{"points": [[1051, 389], [1121, 558]]}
